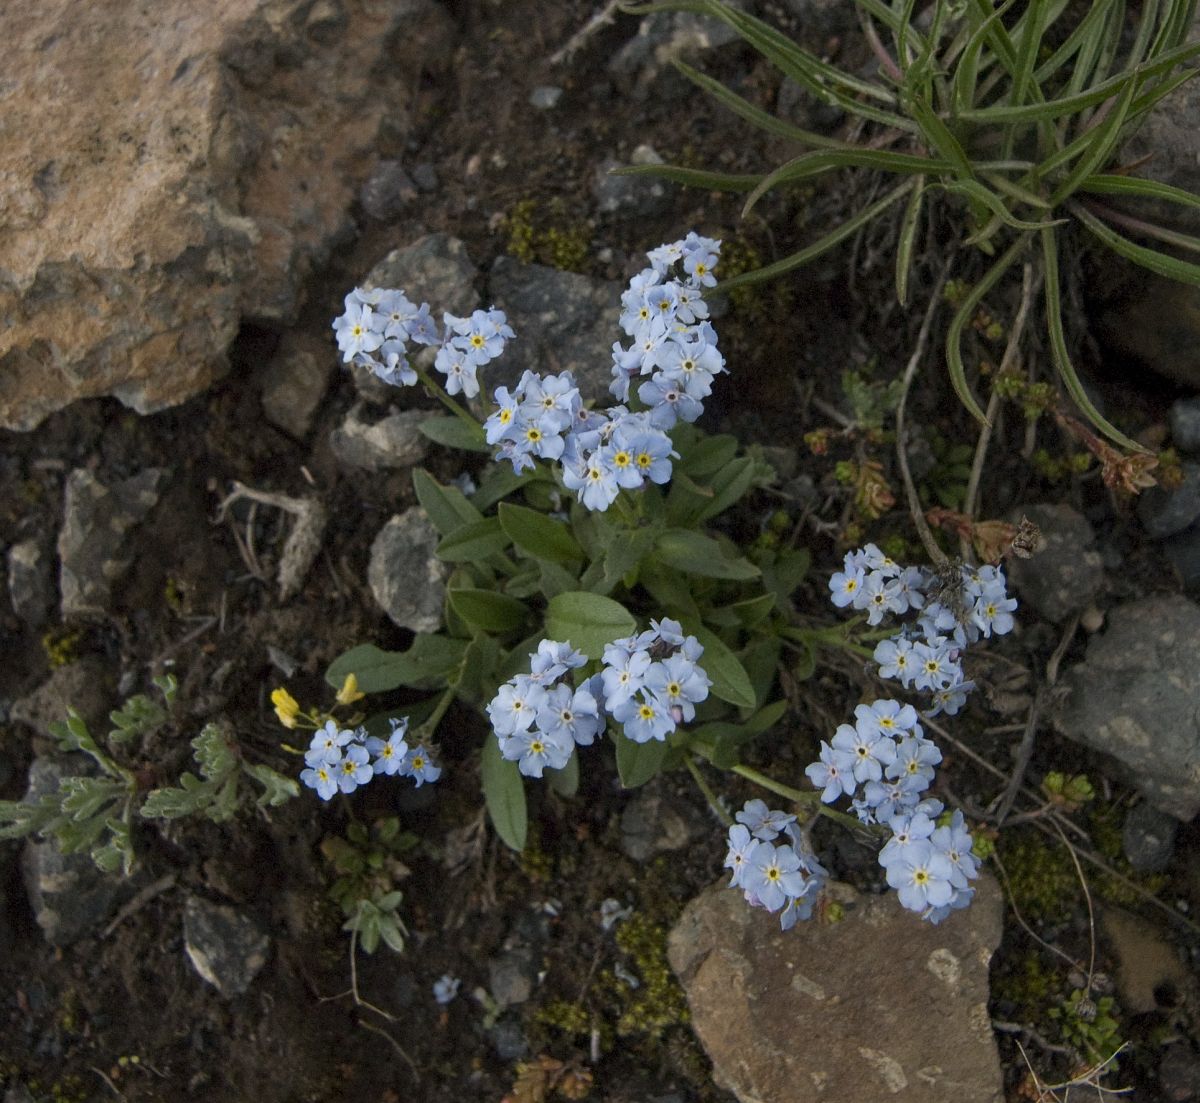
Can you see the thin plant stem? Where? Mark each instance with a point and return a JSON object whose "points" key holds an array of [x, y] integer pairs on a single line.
{"points": [[436, 389], [690, 762], [936, 555], [1029, 288], [435, 717]]}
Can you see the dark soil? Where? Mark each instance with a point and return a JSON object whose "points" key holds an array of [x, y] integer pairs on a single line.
{"points": [[123, 1012]]}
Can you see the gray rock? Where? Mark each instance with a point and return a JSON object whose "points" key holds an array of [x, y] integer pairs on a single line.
{"points": [[820, 18], [512, 975], [1137, 697], [425, 177], [545, 96], [70, 897], [651, 825], [93, 546], [30, 582], [406, 577], [1066, 572], [85, 686], [225, 947], [389, 443], [632, 196], [662, 38], [295, 382], [508, 1039], [1179, 1074], [1148, 966], [833, 1011], [1148, 838], [1168, 512], [387, 191], [563, 321], [1185, 424], [434, 269]]}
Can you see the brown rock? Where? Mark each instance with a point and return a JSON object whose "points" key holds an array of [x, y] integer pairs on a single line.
{"points": [[170, 169], [879, 1006]]}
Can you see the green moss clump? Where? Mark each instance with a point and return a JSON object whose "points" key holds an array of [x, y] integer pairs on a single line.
{"points": [[1041, 875], [61, 646], [545, 235], [659, 1002]]}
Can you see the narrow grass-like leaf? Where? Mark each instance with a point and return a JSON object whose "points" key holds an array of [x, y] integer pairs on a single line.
{"points": [[1159, 263], [803, 256], [966, 72], [828, 83], [1109, 184], [907, 237], [693, 178], [938, 134], [1065, 105], [1058, 346], [1083, 41], [792, 58], [966, 312], [764, 120], [1028, 35], [814, 164], [1160, 91], [972, 189], [1104, 140]]}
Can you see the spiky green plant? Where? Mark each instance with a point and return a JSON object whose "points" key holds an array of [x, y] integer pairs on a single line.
{"points": [[971, 105]]}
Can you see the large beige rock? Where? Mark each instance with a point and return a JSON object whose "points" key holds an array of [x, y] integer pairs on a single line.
{"points": [[169, 169], [877, 1007]]}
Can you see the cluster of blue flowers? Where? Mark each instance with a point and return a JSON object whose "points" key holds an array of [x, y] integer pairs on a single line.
{"points": [[774, 875], [377, 326], [672, 343], [926, 654], [650, 684], [886, 752], [339, 760]]}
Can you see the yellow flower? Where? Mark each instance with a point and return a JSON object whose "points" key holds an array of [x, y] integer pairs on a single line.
{"points": [[286, 707], [348, 694]]}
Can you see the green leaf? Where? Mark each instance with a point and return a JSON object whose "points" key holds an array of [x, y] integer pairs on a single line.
{"points": [[539, 535], [589, 622], [693, 178], [1101, 184], [554, 579], [623, 554], [670, 590], [427, 664], [906, 240], [454, 432], [701, 555], [447, 506], [705, 455], [1058, 346], [637, 763], [565, 782], [730, 681], [499, 481], [756, 116], [725, 738], [504, 795], [276, 788], [846, 230], [784, 573], [728, 486], [808, 165], [488, 610], [745, 614], [474, 542], [1159, 263]]}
